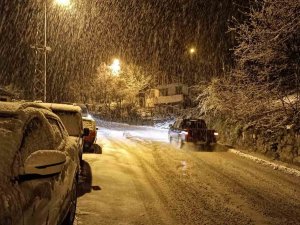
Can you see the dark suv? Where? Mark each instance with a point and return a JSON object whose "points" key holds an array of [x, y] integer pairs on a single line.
{"points": [[191, 131]]}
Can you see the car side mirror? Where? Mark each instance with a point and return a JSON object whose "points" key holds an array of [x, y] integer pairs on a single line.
{"points": [[86, 132], [43, 163]]}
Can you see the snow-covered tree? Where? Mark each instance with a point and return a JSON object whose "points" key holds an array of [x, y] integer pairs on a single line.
{"points": [[264, 85], [114, 92]]}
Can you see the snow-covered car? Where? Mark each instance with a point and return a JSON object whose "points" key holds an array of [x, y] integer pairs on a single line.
{"points": [[71, 117], [39, 167], [89, 140]]}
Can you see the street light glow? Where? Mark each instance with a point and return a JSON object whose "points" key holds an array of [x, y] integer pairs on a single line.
{"points": [[192, 50], [63, 2], [115, 67]]}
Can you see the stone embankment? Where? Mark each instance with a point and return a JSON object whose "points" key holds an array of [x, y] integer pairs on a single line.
{"points": [[283, 145]]}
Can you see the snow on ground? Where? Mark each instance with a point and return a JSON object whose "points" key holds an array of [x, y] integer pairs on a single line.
{"points": [[159, 133], [165, 124], [275, 166], [143, 181], [121, 130]]}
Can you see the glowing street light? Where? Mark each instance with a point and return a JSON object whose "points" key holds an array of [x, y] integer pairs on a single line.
{"points": [[115, 67], [63, 2], [192, 51]]}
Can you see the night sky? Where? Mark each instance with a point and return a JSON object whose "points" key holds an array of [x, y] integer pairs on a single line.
{"points": [[150, 33]]}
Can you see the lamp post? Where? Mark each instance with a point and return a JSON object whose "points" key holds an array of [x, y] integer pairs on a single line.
{"points": [[45, 51], [192, 52], [45, 47]]}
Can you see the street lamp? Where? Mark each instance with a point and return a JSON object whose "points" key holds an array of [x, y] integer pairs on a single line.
{"points": [[115, 67], [192, 51], [45, 47], [63, 2]]}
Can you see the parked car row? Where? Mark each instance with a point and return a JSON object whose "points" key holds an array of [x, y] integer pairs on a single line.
{"points": [[41, 149]]}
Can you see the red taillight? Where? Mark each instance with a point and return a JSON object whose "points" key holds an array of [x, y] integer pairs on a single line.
{"points": [[188, 135], [90, 137]]}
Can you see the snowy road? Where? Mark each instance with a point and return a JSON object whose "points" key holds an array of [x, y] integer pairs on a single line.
{"points": [[141, 179]]}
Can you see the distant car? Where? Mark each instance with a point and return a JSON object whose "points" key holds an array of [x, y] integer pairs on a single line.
{"points": [[38, 169], [191, 131], [89, 140], [71, 117]]}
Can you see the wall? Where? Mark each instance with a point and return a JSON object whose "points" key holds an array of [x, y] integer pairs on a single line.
{"points": [[172, 88], [169, 99], [284, 144]]}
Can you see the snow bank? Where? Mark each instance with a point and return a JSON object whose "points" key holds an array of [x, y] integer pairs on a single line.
{"points": [[275, 166], [165, 124]]}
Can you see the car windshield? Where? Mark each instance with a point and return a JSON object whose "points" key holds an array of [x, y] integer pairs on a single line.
{"points": [[72, 122]]}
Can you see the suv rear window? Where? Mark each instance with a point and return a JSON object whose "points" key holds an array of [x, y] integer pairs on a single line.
{"points": [[194, 124], [72, 121]]}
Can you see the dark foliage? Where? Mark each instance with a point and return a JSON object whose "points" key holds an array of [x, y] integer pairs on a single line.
{"points": [[263, 88]]}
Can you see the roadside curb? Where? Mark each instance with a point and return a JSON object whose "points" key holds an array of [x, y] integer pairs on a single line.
{"points": [[264, 162]]}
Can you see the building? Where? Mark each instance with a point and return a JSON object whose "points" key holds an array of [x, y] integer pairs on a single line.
{"points": [[147, 98], [172, 97], [165, 98], [172, 94]]}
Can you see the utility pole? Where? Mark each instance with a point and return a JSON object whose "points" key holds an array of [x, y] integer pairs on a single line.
{"points": [[40, 50]]}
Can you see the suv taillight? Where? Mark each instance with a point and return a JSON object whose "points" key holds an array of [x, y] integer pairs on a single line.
{"points": [[188, 135]]}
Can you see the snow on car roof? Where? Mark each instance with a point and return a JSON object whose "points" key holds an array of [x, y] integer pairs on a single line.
{"points": [[61, 107], [14, 107], [87, 119]]}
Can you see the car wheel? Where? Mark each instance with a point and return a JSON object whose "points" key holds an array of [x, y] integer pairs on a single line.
{"points": [[73, 203], [96, 149]]}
